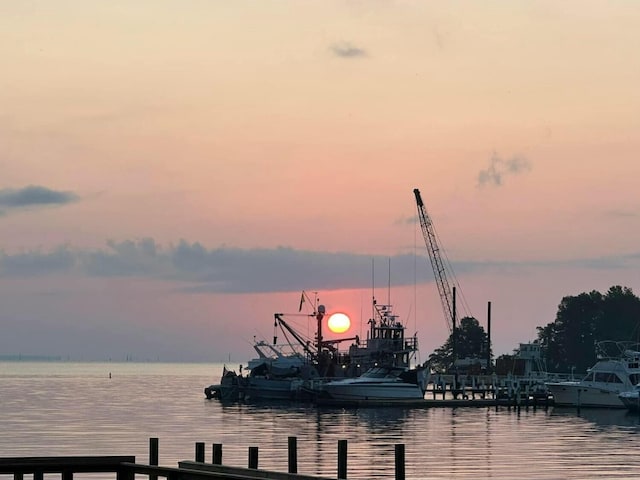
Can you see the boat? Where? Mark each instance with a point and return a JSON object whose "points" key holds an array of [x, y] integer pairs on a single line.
{"points": [[631, 398], [617, 370], [378, 384], [228, 388], [297, 368]]}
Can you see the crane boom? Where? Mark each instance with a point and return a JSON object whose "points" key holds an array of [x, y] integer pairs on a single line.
{"points": [[439, 271]]}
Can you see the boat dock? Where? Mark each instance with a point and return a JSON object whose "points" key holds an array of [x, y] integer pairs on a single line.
{"points": [[126, 468]]}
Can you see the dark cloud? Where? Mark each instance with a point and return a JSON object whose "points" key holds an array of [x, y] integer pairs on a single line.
{"points": [[37, 263], [499, 168], [233, 270], [347, 50], [32, 196], [228, 270]]}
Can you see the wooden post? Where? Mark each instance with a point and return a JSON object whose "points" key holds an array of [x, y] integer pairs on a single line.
{"points": [[200, 452], [342, 459], [489, 369], [400, 475], [217, 454], [38, 475], [153, 455], [123, 474], [67, 474], [18, 476], [293, 454], [253, 457]]}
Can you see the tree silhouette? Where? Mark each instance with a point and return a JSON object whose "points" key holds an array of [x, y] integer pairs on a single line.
{"points": [[471, 342], [582, 321]]}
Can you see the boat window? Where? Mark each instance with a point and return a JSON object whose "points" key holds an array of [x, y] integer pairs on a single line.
{"points": [[615, 378], [588, 378], [607, 377], [634, 378]]}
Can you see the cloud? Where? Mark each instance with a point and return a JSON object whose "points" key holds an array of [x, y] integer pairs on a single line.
{"points": [[499, 168], [35, 263], [347, 50], [224, 270], [622, 214], [195, 268], [33, 196]]}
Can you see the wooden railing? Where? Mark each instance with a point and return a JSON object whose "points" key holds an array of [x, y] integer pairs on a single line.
{"points": [[67, 466], [126, 468]]}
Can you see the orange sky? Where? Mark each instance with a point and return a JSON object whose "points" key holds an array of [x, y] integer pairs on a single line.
{"points": [[244, 127]]}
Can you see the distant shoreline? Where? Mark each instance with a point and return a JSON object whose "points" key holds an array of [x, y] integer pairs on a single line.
{"points": [[58, 359]]}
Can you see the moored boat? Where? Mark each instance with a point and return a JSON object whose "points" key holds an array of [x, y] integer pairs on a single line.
{"points": [[617, 370], [299, 368], [378, 384]]}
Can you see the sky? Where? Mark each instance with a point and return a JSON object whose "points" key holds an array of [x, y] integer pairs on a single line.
{"points": [[172, 173]]}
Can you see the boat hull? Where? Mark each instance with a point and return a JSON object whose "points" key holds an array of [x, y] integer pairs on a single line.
{"points": [[272, 389], [575, 394], [373, 391], [631, 400]]}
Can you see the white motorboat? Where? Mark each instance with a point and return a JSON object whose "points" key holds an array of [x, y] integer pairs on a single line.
{"points": [[631, 398], [379, 384], [617, 371]]}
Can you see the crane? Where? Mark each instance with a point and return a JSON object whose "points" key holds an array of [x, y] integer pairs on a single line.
{"points": [[440, 270]]}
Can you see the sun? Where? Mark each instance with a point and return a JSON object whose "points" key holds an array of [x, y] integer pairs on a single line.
{"points": [[339, 322]]}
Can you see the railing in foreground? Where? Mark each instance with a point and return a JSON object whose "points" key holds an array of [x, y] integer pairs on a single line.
{"points": [[126, 468]]}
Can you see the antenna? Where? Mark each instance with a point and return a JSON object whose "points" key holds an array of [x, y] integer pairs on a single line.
{"points": [[389, 284], [373, 288]]}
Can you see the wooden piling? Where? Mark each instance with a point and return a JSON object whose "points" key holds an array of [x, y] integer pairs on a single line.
{"points": [[200, 452], [253, 457], [342, 459], [292, 448], [217, 454], [399, 459], [153, 455]]}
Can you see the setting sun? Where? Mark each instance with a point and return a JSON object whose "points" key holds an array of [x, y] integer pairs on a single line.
{"points": [[339, 323]]}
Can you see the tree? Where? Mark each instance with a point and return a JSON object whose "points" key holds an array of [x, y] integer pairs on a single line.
{"points": [[471, 342], [582, 321]]}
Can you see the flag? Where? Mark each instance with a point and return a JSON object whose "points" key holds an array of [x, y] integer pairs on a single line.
{"points": [[301, 302]]}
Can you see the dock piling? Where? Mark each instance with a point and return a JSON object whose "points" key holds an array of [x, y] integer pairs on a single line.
{"points": [[153, 455], [200, 452], [292, 447], [399, 459], [253, 458], [217, 454], [342, 459]]}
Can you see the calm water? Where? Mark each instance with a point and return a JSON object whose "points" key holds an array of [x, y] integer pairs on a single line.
{"points": [[76, 409]]}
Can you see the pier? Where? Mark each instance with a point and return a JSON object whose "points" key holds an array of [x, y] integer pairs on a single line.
{"points": [[126, 468]]}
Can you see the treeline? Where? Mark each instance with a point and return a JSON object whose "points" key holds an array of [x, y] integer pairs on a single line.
{"points": [[584, 320], [567, 343]]}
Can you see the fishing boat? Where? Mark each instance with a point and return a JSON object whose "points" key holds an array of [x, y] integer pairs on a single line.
{"points": [[297, 368], [617, 370], [378, 384]]}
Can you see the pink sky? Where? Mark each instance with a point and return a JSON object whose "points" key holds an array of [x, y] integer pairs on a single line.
{"points": [[242, 128]]}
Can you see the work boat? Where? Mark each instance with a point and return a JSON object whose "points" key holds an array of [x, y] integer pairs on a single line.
{"points": [[297, 368], [617, 370], [379, 384]]}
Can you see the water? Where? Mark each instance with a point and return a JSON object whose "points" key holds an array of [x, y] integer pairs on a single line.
{"points": [[76, 409]]}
